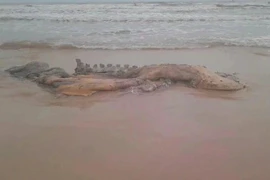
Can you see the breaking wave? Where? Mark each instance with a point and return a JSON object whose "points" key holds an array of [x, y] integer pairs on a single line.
{"points": [[141, 26], [44, 45], [34, 45], [172, 3], [66, 20], [243, 5]]}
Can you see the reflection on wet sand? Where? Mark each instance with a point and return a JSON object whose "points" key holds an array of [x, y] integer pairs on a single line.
{"points": [[176, 133]]}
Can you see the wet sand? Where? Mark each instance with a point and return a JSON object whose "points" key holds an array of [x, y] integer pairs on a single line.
{"points": [[177, 133]]}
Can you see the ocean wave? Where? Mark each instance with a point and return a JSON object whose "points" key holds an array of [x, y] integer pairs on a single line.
{"points": [[63, 20], [171, 3], [243, 5], [34, 45], [119, 32], [45, 45]]}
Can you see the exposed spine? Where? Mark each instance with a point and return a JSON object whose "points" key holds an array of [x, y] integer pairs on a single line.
{"points": [[110, 69]]}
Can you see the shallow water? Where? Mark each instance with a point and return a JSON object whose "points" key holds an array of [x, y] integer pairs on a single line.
{"points": [[144, 26], [178, 133]]}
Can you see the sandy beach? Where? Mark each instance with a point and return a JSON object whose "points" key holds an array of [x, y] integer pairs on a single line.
{"points": [[176, 133]]}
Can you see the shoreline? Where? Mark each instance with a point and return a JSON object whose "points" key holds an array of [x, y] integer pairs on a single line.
{"points": [[206, 56], [29, 45], [51, 45]]}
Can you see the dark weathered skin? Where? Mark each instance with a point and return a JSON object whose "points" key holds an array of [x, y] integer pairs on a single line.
{"points": [[87, 80], [30, 68]]}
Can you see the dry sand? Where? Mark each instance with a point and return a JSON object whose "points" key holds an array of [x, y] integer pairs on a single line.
{"points": [[174, 134]]}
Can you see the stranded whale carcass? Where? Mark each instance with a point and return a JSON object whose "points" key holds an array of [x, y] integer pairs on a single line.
{"points": [[87, 80]]}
